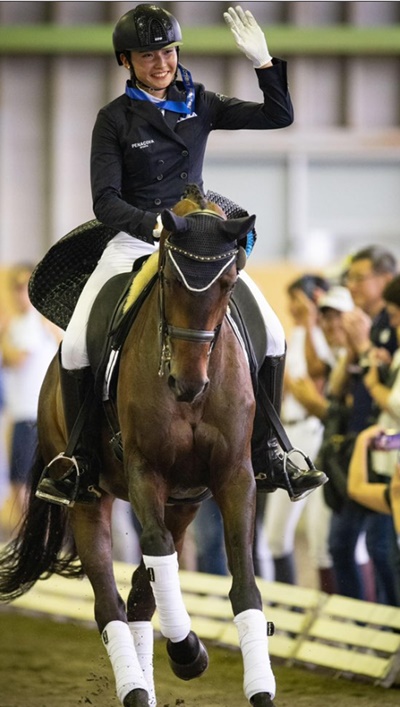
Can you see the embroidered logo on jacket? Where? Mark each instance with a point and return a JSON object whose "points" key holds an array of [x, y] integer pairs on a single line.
{"points": [[141, 145]]}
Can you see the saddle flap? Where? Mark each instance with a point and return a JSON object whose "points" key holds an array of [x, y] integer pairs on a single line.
{"points": [[113, 313], [105, 314]]}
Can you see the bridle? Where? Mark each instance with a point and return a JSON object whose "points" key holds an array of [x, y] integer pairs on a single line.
{"points": [[169, 331]]}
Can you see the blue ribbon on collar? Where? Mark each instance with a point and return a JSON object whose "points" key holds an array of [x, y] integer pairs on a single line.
{"points": [[175, 106]]}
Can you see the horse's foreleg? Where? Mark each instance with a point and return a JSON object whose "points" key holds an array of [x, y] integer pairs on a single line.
{"points": [[92, 533], [157, 582], [160, 557], [237, 504], [188, 658]]}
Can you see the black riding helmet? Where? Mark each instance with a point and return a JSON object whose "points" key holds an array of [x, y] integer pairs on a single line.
{"points": [[145, 28]]}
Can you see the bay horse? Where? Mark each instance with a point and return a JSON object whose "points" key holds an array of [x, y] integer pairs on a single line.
{"points": [[185, 406]]}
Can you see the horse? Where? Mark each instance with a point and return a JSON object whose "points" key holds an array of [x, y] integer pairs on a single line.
{"points": [[185, 405]]}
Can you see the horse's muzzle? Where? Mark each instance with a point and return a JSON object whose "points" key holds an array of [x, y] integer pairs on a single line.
{"points": [[187, 391]]}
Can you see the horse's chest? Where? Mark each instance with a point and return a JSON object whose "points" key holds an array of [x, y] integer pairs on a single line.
{"points": [[191, 446]]}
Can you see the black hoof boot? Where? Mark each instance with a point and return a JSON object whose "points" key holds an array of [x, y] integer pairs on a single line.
{"points": [[136, 698], [188, 658], [283, 473], [262, 699]]}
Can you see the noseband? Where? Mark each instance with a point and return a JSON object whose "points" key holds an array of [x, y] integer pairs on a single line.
{"points": [[168, 331]]}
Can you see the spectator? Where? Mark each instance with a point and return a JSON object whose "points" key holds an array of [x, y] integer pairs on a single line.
{"points": [[28, 344], [367, 326], [379, 493]]}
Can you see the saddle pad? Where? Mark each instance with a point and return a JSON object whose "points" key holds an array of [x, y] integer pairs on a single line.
{"points": [[58, 280], [142, 278]]}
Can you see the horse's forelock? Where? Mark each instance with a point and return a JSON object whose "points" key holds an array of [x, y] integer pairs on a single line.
{"points": [[194, 200], [187, 206]]}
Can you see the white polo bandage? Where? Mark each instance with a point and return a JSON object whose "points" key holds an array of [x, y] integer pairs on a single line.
{"points": [[164, 579], [118, 642], [258, 676], [143, 638]]}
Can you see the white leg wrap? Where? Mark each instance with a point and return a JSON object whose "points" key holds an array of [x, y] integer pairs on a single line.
{"points": [[258, 675], [143, 638], [164, 578], [118, 642]]}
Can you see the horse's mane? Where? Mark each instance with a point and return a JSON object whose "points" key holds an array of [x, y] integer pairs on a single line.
{"points": [[194, 199]]}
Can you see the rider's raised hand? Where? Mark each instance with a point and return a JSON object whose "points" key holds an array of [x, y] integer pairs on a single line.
{"points": [[248, 35]]}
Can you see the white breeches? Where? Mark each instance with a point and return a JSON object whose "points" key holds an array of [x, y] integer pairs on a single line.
{"points": [[119, 257]]}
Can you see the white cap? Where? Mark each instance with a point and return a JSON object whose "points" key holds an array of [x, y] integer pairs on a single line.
{"points": [[338, 298]]}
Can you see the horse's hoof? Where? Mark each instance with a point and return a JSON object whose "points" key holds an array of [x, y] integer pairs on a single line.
{"points": [[262, 699], [188, 658], [137, 698]]}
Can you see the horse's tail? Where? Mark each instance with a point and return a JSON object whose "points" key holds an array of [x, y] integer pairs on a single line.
{"points": [[42, 547]]}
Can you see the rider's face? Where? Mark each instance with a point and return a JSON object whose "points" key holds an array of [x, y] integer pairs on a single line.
{"points": [[155, 69]]}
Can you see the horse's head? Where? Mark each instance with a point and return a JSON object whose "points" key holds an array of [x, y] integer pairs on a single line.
{"points": [[200, 258]]}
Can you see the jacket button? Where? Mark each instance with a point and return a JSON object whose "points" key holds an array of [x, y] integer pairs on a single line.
{"points": [[185, 153], [160, 177], [183, 175], [160, 161], [157, 202]]}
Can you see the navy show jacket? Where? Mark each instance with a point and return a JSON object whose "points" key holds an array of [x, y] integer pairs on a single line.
{"points": [[141, 161]]}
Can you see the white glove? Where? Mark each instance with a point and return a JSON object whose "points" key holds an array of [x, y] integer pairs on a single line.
{"points": [[248, 35], [158, 228]]}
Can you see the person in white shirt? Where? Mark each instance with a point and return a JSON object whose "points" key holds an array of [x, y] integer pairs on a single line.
{"points": [[28, 344]]}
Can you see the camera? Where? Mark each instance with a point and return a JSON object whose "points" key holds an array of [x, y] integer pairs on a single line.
{"points": [[386, 442]]}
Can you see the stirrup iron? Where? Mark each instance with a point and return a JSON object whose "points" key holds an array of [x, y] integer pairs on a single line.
{"points": [[46, 496]]}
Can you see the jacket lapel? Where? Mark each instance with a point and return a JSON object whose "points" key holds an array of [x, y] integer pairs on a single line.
{"points": [[151, 114]]}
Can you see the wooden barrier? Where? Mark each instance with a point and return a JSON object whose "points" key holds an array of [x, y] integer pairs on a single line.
{"points": [[348, 637]]}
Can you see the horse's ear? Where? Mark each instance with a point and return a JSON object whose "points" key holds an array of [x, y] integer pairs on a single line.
{"points": [[237, 228], [173, 223]]}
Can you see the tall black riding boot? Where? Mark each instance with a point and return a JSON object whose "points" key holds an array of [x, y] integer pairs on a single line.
{"points": [[67, 480], [273, 468]]}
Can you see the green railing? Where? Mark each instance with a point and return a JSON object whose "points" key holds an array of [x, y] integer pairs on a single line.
{"points": [[214, 40]]}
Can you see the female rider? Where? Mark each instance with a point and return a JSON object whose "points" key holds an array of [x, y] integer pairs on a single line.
{"points": [[147, 145]]}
